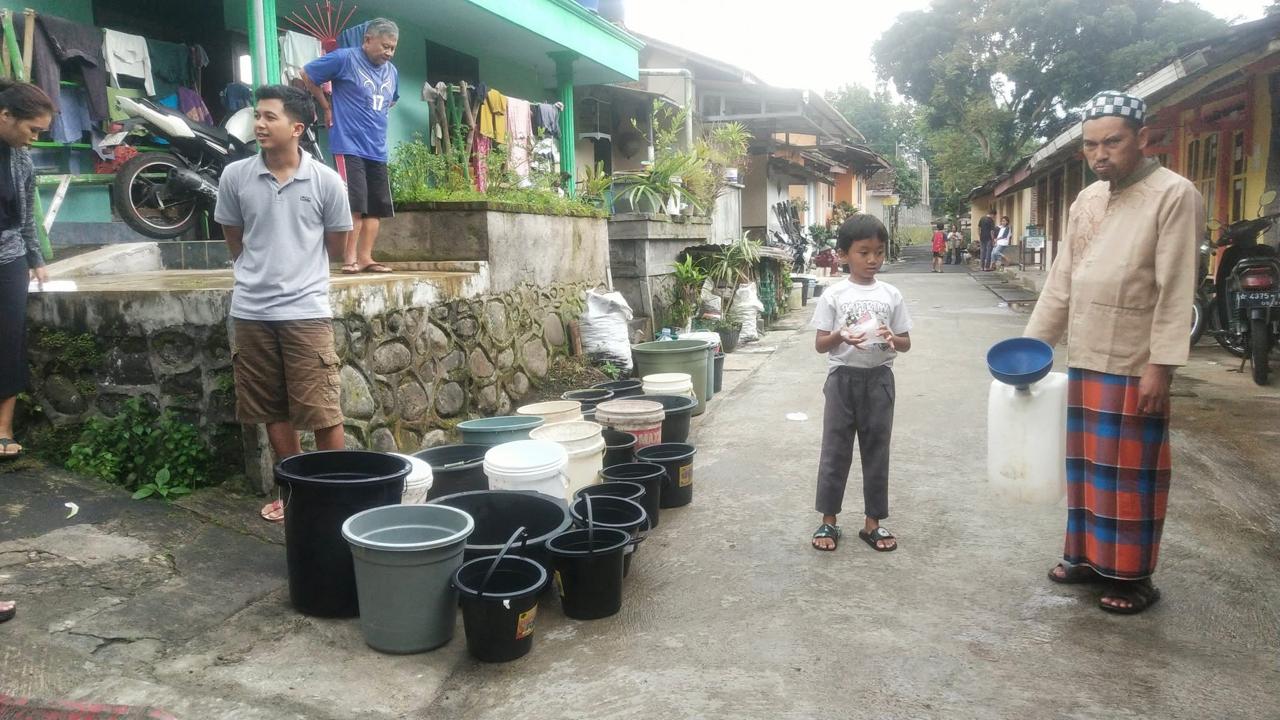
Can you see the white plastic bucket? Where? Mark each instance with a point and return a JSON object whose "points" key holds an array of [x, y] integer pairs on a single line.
{"points": [[668, 384], [418, 483], [553, 411], [642, 418], [584, 443], [537, 465]]}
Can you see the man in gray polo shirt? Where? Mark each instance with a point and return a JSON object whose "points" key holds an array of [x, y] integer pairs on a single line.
{"points": [[284, 215]]}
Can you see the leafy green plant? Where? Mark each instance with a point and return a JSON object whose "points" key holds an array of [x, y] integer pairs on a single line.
{"points": [[594, 185], [132, 448], [162, 486], [680, 311], [613, 372], [733, 265]]}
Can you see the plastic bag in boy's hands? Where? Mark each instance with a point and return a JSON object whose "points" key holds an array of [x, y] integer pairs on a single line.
{"points": [[868, 326]]}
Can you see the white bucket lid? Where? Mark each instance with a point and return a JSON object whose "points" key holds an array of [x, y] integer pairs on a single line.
{"points": [[526, 458], [664, 378], [551, 407], [419, 470], [570, 431]]}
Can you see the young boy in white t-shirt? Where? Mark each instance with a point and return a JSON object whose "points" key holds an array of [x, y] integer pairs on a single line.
{"points": [[862, 324]]}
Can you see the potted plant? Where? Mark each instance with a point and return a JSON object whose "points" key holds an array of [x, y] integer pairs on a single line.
{"points": [[731, 266]]}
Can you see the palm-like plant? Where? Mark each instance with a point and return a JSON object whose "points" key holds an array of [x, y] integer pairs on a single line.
{"points": [[733, 265]]}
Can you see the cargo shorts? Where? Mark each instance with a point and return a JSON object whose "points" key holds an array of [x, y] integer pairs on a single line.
{"points": [[286, 371]]}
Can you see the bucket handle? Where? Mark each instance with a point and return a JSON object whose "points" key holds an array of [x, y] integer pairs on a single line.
{"points": [[591, 527], [520, 532]]}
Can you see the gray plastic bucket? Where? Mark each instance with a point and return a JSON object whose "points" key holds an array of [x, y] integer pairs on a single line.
{"points": [[404, 557]]}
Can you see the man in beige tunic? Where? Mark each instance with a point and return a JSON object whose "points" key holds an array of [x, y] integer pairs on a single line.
{"points": [[1121, 290]]}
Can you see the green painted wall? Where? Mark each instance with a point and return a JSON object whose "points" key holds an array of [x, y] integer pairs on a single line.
{"points": [[78, 10]]}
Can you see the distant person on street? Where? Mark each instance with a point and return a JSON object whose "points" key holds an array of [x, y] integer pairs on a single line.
{"points": [[939, 248], [284, 214], [1123, 283], [25, 112], [1004, 234], [955, 241], [862, 324], [986, 237], [366, 85]]}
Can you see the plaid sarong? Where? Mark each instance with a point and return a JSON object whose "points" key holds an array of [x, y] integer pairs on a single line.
{"points": [[1117, 476]]}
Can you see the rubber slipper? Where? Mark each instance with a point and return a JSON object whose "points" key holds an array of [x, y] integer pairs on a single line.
{"points": [[273, 511], [4, 449], [1074, 575], [376, 268], [1140, 594], [350, 269], [8, 609], [827, 530], [878, 535]]}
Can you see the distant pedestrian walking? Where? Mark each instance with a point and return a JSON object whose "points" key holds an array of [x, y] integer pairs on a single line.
{"points": [[986, 237], [862, 324], [939, 248]]}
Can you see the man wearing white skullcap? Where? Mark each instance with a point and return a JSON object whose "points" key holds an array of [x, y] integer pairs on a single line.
{"points": [[1121, 291]]}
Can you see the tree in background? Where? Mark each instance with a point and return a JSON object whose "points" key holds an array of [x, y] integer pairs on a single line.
{"points": [[998, 75], [891, 129]]}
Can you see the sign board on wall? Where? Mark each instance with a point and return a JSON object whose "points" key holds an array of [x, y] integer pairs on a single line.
{"points": [[1034, 238]]}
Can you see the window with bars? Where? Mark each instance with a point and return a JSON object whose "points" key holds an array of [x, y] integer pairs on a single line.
{"points": [[1202, 169], [1239, 166]]}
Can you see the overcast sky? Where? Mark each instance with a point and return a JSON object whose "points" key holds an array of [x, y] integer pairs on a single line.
{"points": [[814, 44]]}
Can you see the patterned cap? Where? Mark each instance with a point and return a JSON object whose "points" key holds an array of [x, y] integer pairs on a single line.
{"points": [[1110, 103]]}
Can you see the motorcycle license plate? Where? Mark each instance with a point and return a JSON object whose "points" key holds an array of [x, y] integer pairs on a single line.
{"points": [[114, 139], [1258, 299]]}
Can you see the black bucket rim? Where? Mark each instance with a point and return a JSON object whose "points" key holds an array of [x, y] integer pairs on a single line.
{"points": [[690, 402], [605, 434], [607, 394], [624, 539], [588, 490], [283, 477], [642, 523], [466, 465], [494, 548], [616, 385], [474, 594], [661, 471], [670, 447]]}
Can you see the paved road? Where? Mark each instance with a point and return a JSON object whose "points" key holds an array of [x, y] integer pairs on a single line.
{"points": [[729, 613]]}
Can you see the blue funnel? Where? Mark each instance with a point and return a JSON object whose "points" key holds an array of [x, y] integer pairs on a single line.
{"points": [[1020, 361]]}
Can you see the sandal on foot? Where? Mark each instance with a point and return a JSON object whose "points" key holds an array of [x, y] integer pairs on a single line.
{"points": [[8, 609], [350, 268], [1140, 594], [827, 530], [273, 511], [1074, 575], [876, 536], [378, 268], [5, 444]]}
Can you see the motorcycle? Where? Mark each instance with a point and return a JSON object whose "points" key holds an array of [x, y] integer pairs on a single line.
{"points": [[162, 194], [1239, 303]]}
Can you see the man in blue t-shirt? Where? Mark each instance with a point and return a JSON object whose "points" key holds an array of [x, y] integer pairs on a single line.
{"points": [[365, 88]]}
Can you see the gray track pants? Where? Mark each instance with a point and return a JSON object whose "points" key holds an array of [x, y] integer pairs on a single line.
{"points": [[859, 404]]}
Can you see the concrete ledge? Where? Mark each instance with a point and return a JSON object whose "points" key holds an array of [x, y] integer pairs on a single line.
{"points": [[110, 260]]}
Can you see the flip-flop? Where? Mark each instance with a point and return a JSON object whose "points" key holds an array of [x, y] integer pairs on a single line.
{"points": [[878, 535], [350, 269], [8, 609], [376, 268], [5, 442], [826, 530], [273, 512]]}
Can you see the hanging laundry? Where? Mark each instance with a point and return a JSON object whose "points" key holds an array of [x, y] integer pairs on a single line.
{"points": [[113, 93], [199, 61], [192, 105], [353, 36], [493, 117], [170, 66], [235, 96], [480, 163], [61, 45], [127, 54], [546, 117], [519, 137], [296, 50], [70, 125]]}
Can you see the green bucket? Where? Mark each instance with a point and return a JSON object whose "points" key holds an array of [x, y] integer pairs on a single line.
{"points": [[498, 430], [675, 356]]}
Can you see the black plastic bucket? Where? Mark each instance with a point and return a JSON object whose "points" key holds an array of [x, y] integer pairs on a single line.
{"points": [[648, 475], [455, 469], [677, 458], [320, 491], [622, 388], [498, 513], [589, 571], [619, 447], [589, 397], [719, 374], [608, 511], [679, 411], [499, 595], [628, 489]]}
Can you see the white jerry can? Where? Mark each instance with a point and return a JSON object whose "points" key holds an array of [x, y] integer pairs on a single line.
{"points": [[1027, 440]]}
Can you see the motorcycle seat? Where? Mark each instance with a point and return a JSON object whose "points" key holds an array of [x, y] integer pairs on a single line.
{"points": [[216, 134]]}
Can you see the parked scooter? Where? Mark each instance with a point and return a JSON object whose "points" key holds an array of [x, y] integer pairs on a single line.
{"points": [[1239, 304], [161, 194]]}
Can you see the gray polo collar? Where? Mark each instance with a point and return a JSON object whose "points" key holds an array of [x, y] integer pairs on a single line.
{"points": [[305, 170], [1145, 168]]}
